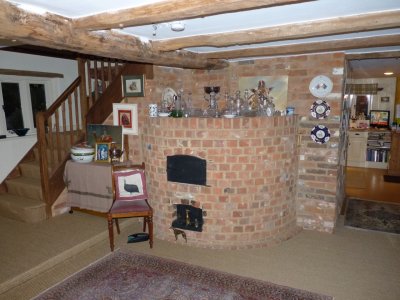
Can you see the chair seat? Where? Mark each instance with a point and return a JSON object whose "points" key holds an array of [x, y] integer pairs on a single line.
{"points": [[128, 206]]}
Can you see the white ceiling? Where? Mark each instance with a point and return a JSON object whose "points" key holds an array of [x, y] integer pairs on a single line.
{"points": [[278, 15]]}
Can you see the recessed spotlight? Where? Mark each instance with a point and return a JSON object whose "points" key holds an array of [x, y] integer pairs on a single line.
{"points": [[388, 73]]}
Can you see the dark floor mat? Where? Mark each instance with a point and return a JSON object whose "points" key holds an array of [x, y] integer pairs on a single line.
{"points": [[372, 215], [391, 178]]}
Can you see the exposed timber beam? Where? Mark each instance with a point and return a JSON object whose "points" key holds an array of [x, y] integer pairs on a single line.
{"points": [[166, 11], [330, 26], [309, 47], [374, 55], [57, 32]]}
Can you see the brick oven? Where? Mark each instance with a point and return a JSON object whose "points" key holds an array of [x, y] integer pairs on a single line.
{"points": [[248, 199]]}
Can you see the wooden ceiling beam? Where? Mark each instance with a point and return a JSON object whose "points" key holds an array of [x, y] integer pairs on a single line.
{"points": [[57, 32], [171, 10], [310, 47], [373, 55], [317, 28]]}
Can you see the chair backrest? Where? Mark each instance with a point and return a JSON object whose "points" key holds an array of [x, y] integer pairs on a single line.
{"points": [[129, 182]]}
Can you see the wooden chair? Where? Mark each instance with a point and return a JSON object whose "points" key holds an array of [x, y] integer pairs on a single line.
{"points": [[129, 199]]}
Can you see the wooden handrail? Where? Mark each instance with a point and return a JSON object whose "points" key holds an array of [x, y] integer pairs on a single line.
{"points": [[60, 100]]}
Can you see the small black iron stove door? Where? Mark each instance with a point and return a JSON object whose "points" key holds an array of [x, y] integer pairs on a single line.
{"points": [[188, 217], [187, 169]]}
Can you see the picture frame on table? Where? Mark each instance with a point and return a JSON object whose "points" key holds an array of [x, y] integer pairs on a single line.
{"points": [[126, 116], [102, 152], [133, 86]]}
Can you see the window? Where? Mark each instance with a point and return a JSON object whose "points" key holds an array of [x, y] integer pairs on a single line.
{"points": [[21, 98]]}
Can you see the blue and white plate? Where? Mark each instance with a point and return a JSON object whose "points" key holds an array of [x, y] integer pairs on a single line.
{"points": [[320, 109], [320, 134]]}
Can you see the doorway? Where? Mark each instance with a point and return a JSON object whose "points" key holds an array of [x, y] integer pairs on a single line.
{"points": [[365, 180]]}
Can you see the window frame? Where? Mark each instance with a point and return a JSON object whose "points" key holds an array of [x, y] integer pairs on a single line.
{"points": [[26, 101]]}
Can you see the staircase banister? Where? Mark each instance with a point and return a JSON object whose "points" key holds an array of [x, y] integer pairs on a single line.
{"points": [[62, 97]]}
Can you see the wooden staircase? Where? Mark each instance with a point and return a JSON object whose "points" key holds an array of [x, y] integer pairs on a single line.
{"points": [[22, 197], [34, 185]]}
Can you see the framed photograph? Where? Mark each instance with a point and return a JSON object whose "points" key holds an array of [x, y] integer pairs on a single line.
{"points": [[126, 116], [385, 99], [102, 152], [133, 86]]}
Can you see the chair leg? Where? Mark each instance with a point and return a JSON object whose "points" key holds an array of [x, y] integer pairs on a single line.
{"points": [[150, 221], [145, 221], [110, 231], [117, 224]]}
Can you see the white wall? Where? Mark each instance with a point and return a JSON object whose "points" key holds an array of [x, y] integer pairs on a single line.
{"points": [[27, 62], [13, 149]]}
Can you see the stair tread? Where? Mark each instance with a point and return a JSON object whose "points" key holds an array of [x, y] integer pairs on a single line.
{"points": [[30, 163], [20, 201], [25, 180]]}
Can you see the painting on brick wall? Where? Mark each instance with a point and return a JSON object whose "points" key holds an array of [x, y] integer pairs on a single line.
{"points": [[276, 87]]}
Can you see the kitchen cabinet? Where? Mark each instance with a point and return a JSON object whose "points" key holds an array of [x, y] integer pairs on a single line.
{"points": [[369, 149], [357, 148]]}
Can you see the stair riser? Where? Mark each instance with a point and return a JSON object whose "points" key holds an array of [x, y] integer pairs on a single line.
{"points": [[25, 190], [13, 210], [30, 170]]}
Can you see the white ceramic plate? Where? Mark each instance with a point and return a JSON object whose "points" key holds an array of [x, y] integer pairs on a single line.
{"points": [[320, 86], [229, 116], [168, 98]]}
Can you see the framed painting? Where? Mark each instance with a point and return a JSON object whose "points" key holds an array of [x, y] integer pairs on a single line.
{"points": [[99, 133], [385, 99], [102, 152], [126, 116], [133, 86], [276, 85]]}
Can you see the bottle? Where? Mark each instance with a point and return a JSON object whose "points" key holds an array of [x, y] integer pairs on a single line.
{"points": [[177, 111]]}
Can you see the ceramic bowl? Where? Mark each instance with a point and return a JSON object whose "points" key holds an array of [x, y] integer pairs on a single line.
{"points": [[83, 158], [76, 150], [21, 131]]}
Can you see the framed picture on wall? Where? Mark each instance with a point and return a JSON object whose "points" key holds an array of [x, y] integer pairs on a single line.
{"points": [[102, 152], [126, 115], [133, 86], [385, 99]]}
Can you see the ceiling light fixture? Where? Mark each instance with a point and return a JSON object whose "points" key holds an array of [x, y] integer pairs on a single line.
{"points": [[388, 73], [177, 26]]}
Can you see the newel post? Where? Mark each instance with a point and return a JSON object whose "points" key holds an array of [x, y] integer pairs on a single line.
{"points": [[83, 91], [44, 170]]}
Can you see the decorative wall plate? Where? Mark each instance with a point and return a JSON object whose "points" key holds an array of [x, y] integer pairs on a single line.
{"points": [[320, 134], [320, 109], [320, 86], [168, 98]]}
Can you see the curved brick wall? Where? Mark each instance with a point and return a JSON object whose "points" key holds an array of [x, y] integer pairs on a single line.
{"points": [[252, 164]]}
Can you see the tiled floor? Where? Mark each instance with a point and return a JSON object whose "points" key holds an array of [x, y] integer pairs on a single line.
{"points": [[369, 184]]}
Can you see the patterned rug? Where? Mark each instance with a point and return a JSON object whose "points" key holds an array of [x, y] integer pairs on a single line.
{"points": [[372, 215], [128, 275]]}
